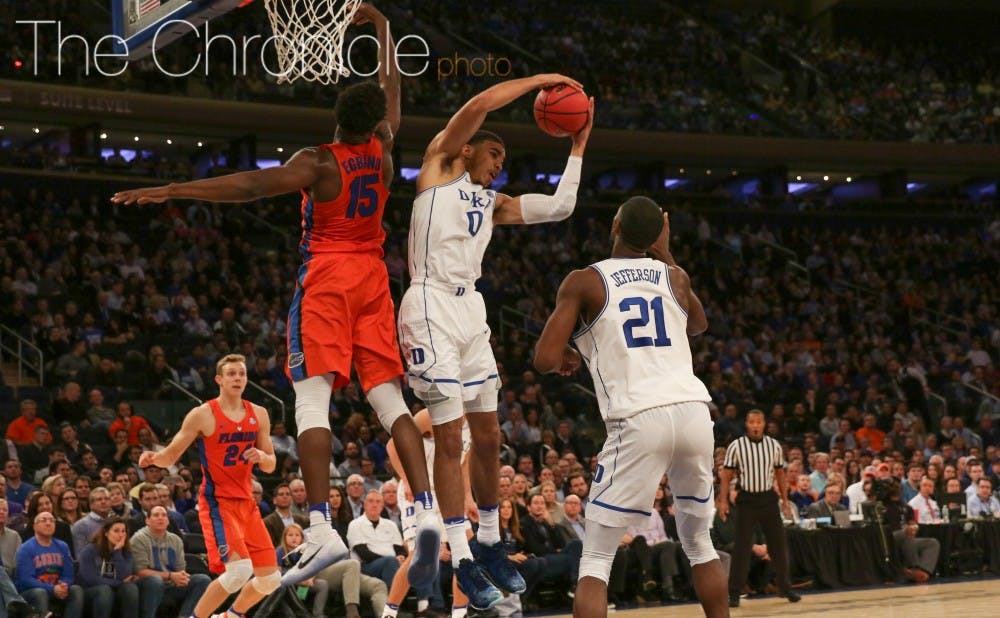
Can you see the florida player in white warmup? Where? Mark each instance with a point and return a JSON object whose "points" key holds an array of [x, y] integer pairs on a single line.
{"points": [[634, 314], [442, 318]]}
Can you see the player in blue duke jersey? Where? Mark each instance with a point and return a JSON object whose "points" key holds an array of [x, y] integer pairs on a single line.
{"points": [[630, 317]]}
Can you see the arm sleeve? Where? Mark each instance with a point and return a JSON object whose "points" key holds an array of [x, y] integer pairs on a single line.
{"points": [[366, 555], [539, 208]]}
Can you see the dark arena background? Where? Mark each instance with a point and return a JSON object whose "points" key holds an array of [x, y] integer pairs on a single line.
{"points": [[830, 169]]}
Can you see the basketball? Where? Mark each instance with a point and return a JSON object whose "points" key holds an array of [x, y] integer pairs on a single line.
{"points": [[561, 110]]}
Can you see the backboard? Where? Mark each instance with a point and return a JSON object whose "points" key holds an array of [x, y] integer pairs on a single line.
{"points": [[141, 22]]}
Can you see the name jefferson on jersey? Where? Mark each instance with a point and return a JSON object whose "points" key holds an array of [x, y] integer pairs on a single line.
{"points": [[637, 347], [634, 275]]}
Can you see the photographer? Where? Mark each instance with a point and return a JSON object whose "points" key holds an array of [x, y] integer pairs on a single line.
{"points": [[919, 555]]}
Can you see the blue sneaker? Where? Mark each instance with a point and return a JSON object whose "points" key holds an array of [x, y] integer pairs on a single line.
{"points": [[424, 566], [314, 556], [498, 567], [473, 582]]}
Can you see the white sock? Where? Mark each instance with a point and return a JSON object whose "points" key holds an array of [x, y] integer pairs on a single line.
{"points": [[422, 604], [319, 526], [489, 525], [459, 612], [426, 518], [455, 530], [390, 610]]}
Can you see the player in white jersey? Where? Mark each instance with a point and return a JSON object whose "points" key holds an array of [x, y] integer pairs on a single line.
{"points": [[400, 585], [634, 314], [442, 319]]}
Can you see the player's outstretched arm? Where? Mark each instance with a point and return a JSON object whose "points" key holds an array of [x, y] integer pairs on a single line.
{"points": [[538, 208], [301, 171], [263, 453], [388, 69], [466, 121], [197, 422], [552, 352]]}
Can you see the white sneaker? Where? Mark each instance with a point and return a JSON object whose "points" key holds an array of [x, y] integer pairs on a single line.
{"points": [[314, 556]]}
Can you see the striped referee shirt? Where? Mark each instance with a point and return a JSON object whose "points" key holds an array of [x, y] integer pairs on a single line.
{"points": [[755, 462]]}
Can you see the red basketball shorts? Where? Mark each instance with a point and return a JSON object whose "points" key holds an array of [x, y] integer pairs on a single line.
{"points": [[233, 526], [342, 311]]}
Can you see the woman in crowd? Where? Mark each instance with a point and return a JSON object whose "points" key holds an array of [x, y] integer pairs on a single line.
{"points": [[531, 568], [39, 502], [53, 486], [548, 491], [105, 572], [120, 504], [68, 507], [853, 472], [520, 489], [340, 512]]}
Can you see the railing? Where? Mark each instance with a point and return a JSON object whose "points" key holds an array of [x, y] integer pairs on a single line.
{"points": [[184, 390], [16, 346], [788, 253], [951, 323], [508, 319], [269, 395], [986, 394], [288, 237], [937, 405], [922, 320], [583, 389]]}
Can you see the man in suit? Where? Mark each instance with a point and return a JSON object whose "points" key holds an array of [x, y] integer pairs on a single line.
{"points": [[829, 503], [572, 526], [283, 514]]}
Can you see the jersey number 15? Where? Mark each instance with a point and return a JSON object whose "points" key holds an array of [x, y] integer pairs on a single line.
{"points": [[364, 197], [643, 305]]}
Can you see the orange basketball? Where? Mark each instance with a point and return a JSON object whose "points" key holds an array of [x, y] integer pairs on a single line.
{"points": [[561, 110]]}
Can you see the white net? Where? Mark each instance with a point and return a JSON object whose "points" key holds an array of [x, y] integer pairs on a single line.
{"points": [[309, 38]]}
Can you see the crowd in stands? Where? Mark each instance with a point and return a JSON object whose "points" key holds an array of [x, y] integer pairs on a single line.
{"points": [[896, 86], [849, 360], [694, 80]]}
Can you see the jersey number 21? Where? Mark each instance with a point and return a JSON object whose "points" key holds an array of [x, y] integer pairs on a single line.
{"points": [[628, 305]]}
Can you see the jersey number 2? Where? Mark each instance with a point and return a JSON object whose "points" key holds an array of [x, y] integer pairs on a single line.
{"points": [[364, 197], [233, 454], [628, 327]]}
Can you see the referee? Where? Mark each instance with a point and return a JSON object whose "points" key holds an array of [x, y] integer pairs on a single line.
{"points": [[758, 460]]}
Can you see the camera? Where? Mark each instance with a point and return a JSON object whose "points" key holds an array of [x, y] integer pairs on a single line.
{"points": [[882, 489]]}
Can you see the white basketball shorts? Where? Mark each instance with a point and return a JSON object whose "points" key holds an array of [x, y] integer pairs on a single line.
{"points": [[675, 439], [446, 342]]}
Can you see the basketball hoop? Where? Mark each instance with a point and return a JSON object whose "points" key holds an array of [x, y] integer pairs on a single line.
{"points": [[309, 38]]}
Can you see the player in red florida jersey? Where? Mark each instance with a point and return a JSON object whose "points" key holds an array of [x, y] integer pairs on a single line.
{"points": [[342, 310], [232, 435]]}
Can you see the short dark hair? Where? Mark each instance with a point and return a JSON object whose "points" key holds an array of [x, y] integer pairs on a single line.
{"points": [[640, 221], [360, 108], [758, 411], [482, 135]]}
